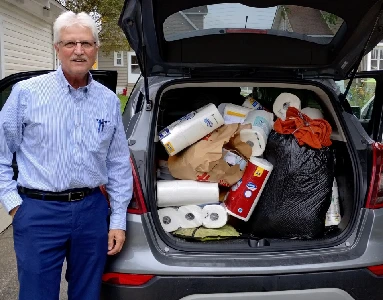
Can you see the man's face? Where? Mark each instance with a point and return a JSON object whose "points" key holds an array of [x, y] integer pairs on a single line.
{"points": [[76, 60]]}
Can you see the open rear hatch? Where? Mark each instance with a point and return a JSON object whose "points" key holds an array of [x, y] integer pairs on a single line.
{"points": [[183, 38]]}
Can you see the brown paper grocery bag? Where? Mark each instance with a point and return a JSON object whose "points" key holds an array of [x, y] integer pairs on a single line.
{"points": [[203, 161]]}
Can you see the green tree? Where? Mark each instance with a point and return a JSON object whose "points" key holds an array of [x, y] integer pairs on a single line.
{"points": [[106, 14]]}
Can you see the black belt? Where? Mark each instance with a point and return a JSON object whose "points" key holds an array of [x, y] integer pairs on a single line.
{"points": [[66, 196]]}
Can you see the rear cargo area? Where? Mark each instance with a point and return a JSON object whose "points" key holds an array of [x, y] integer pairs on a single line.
{"points": [[291, 200]]}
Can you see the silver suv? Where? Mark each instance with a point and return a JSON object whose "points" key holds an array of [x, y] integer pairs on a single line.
{"points": [[195, 53]]}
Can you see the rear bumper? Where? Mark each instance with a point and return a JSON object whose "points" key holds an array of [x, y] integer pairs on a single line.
{"points": [[358, 284]]}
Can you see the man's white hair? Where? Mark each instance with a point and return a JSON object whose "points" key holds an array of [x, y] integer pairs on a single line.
{"points": [[69, 18]]}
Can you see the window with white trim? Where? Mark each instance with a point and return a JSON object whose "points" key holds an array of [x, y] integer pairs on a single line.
{"points": [[134, 67], [119, 59], [376, 60]]}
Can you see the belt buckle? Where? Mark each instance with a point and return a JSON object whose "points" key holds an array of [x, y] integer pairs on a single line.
{"points": [[78, 198]]}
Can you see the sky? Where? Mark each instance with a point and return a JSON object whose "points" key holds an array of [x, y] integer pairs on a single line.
{"points": [[233, 15]]}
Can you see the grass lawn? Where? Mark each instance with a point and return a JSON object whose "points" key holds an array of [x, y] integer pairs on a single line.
{"points": [[123, 100]]}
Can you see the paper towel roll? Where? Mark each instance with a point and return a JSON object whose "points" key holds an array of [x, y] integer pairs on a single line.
{"points": [[190, 216], [260, 118], [250, 102], [235, 113], [186, 192], [256, 138], [312, 113], [283, 102], [215, 216], [169, 219], [190, 128]]}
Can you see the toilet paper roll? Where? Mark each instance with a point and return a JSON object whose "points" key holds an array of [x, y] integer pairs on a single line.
{"points": [[250, 102], [235, 113], [312, 113], [256, 138], [215, 216], [186, 192], [283, 102], [190, 216], [169, 219], [190, 128], [260, 118]]}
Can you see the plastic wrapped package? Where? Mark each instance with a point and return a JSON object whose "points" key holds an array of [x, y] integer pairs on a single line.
{"points": [[298, 193]]}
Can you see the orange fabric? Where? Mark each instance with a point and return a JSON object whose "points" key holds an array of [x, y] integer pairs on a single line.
{"points": [[315, 133]]}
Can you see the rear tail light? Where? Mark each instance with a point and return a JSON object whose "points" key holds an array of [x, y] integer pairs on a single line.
{"points": [[375, 194], [137, 204], [376, 270], [126, 279]]}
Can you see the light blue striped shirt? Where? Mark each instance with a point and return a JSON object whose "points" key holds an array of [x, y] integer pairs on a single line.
{"points": [[64, 138]]}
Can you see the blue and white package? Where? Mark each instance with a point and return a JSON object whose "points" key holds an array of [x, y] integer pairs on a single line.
{"points": [[190, 128]]}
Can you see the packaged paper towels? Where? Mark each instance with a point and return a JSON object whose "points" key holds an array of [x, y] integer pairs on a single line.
{"points": [[190, 216], [250, 102], [256, 138], [234, 113], [243, 197], [186, 192], [215, 216], [312, 113], [283, 102], [333, 214], [190, 128], [262, 119], [169, 219]]}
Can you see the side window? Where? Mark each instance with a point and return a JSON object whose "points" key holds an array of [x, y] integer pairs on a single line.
{"points": [[361, 98], [4, 94]]}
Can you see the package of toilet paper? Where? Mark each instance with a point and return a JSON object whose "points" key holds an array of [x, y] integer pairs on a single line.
{"points": [[243, 196], [234, 113], [250, 102]]}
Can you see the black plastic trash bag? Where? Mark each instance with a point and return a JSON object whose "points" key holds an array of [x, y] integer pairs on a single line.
{"points": [[298, 193]]}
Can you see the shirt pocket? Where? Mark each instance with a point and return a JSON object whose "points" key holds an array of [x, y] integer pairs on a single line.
{"points": [[105, 135]]}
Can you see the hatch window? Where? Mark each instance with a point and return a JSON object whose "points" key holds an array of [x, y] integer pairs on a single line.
{"points": [[229, 18]]}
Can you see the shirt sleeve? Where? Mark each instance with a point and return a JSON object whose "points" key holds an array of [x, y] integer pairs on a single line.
{"points": [[11, 135], [120, 179]]}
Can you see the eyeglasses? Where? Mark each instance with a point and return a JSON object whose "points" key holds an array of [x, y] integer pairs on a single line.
{"points": [[73, 44]]}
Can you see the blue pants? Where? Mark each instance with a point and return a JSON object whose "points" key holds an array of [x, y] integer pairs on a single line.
{"points": [[47, 232]]}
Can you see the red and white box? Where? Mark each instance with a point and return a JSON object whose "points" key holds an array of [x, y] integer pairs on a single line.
{"points": [[244, 195]]}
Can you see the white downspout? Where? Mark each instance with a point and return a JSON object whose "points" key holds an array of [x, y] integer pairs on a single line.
{"points": [[369, 61]]}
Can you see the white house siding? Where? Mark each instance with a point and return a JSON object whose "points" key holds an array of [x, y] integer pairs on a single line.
{"points": [[27, 41], [106, 62], [26, 37]]}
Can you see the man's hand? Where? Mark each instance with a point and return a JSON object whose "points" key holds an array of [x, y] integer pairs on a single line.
{"points": [[116, 239], [13, 211]]}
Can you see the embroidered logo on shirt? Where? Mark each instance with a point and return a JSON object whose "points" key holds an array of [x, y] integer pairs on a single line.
{"points": [[101, 124]]}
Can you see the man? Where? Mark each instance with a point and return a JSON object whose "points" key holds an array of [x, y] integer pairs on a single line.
{"points": [[67, 133]]}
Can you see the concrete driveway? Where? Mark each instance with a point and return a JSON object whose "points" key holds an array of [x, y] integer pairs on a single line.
{"points": [[9, 285]]}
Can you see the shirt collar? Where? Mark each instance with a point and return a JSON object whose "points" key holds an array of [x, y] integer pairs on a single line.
{"points": [[65, 84]]}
